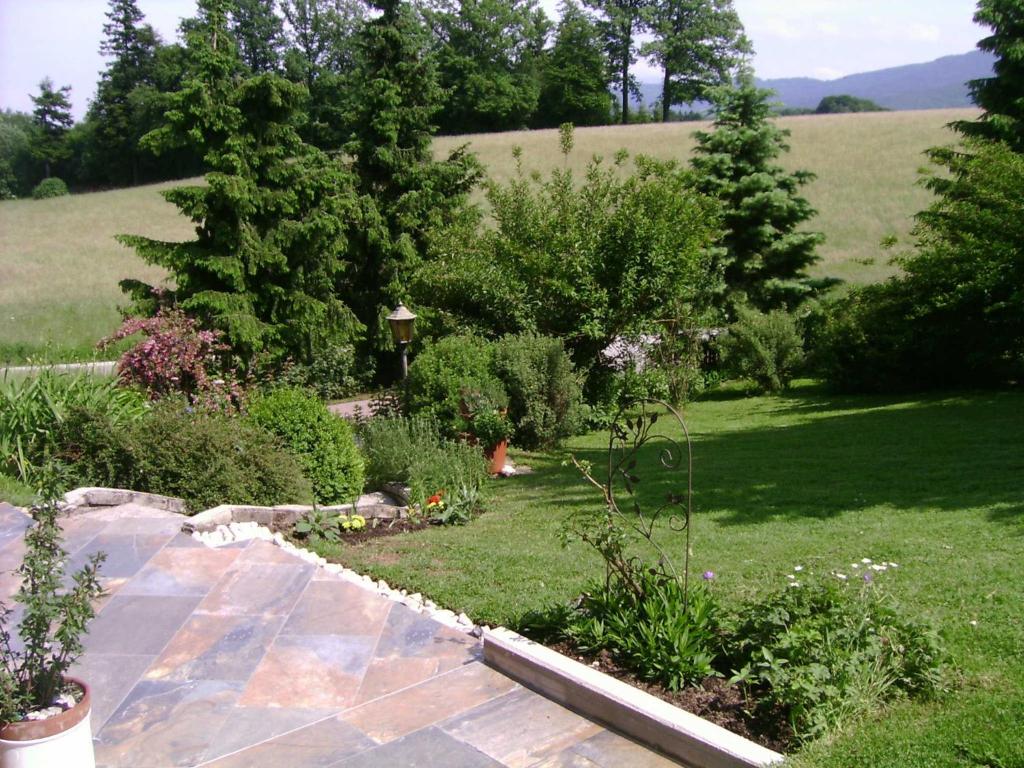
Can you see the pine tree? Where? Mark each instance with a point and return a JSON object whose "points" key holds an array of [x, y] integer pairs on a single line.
{"points": [[575, 82], [404, 192], [698, 44], [271, 218], [1002, 95], [763, 255], [52, 118]]}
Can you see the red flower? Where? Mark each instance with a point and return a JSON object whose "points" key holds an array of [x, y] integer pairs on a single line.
{"points": [[435, 499]]}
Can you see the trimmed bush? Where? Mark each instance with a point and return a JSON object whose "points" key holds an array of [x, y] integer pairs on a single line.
{"points": [[206, 458], [544, 394], [444, 373], [766, 348], [323, 442], [51, 187], [412, 451]]}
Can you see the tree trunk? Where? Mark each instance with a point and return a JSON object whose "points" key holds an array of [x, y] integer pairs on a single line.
{"points": [[666, 105], [625, 89], [47, 163]]}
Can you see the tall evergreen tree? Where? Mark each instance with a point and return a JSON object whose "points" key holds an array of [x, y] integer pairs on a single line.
{"points": [[52, 119], [763, 255], [489, 53], [622, 22], [259, 32], [698, 44], [575, 81], [404, 192], [271, 218], [1002, 95]]}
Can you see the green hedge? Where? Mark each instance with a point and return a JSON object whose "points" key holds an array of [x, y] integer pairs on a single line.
{"points": [[324, 443], [51, 187]]}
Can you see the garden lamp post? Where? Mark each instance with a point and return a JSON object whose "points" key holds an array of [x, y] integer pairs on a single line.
{"points": [[401, 321]]}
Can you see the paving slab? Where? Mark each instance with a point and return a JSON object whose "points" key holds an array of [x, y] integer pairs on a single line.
{"points": [[246, 655]]}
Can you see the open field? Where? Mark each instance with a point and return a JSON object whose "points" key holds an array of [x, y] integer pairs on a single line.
{"points": [[59, 264], [935, 484]]}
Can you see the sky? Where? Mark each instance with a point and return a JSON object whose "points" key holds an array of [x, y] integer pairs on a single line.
{"points": [[825, 39]]}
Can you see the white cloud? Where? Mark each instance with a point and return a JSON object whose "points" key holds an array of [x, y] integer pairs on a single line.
{"points": [[828, 28], [827, 73], [776, 27]]}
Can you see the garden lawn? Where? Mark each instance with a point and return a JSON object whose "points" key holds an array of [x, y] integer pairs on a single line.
{"points": [[934, 483]]}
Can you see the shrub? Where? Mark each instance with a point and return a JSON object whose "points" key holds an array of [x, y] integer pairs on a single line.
{"points": [[332, 374], [51, 187], [766, 348], [175, 357], [412, 451], [544, 394], [662, 637], [206, 458], [323, 442], [32, 409], [826, 649], [445, 374]]}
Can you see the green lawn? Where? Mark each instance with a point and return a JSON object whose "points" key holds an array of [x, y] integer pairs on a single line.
{"points": [[933, 483]]}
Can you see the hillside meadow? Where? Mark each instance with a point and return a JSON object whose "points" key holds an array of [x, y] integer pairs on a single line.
{"points": [[59, 263]]}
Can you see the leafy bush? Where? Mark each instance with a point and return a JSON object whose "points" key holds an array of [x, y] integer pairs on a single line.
{"points": [[661, 636], [828, 649], [445, 374], [766, 348], [412, 451], [544, 394], [332, 374], [323, 442], [51, 187], [204, 457], [328, 526], [32, 409], [490, 427], [176, 357]]}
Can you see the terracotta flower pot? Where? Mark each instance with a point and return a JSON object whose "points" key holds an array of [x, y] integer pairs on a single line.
{"points": [[62, 740], [496, 455]]}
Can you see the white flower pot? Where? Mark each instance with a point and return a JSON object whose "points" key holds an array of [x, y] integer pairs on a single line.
{"points": [[64, 740]]}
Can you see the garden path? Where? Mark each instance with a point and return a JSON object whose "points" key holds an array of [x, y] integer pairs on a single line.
{"points": [[245, 655]]}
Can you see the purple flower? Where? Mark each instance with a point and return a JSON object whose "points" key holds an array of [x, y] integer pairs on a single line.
{"points": [[868, 577], [709, 575]]}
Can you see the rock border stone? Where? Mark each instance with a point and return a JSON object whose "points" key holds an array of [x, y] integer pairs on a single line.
{"points": [[115, 497], [628, 710]]}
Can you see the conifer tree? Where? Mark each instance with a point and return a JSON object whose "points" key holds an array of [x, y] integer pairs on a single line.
{"points": [[403, 192], [763, 255], [1002, 95], [52, 119], [575, 82], [270, 219]]}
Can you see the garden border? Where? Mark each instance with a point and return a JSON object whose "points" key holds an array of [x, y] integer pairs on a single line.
{"points": [[635, 713]]}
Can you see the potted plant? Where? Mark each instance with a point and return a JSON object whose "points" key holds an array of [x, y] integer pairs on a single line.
{"points": [[492, 429], [44, 713]]}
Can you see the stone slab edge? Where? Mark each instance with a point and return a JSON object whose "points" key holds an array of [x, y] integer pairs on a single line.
{"points": [[628, 710], [114, 497], [233, 532], [282, 516]]}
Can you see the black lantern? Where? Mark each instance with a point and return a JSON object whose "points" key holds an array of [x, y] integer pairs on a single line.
{"points": [[401, 321]]}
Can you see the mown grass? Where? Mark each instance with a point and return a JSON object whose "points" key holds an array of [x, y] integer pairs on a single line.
{"points": [[59, 263], [933, 483]]}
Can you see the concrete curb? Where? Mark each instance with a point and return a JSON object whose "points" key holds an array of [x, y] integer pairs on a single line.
{"points": [[628, 710]]}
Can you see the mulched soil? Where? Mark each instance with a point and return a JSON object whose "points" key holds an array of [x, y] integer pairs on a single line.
{"points": [[382, 529], [714, 699]]}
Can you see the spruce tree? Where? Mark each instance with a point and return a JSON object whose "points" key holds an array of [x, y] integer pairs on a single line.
{"points": [[763, 256], [404, 192], [271, 218], [575, 81], [52, 119], [1002, 95]]}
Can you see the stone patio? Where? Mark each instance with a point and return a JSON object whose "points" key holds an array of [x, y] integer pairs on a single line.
{"points": [[245, 655]]}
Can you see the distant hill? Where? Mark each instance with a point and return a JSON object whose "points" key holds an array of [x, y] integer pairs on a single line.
{"points": [[939, 84]]}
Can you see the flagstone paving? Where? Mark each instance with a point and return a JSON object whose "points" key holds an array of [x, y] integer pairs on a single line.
{"points": [[247, 656]]}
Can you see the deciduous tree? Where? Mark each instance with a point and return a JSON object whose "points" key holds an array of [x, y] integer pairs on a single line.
{"points": [[575, 80], [621, 23]]}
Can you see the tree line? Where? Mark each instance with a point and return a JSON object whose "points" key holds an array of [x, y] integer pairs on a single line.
{"points": [[501, 65]]}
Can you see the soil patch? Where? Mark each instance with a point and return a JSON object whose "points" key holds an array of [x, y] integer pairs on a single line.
{"points": [[714, 699], [382, 529]]}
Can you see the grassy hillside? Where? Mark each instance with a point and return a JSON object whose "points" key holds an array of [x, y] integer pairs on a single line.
{"points": [[59, 263]]}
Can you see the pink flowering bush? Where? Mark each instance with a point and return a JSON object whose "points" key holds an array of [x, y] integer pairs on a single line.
{"points": [[176, 357]]}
